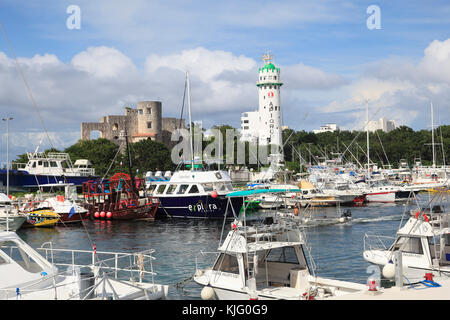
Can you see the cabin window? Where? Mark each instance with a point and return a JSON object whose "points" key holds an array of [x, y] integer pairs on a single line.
{"points": [[409, 245], [194, 189], [284, 255], [34, 164], [171, 188], [220, 186], [151, 188], [227, 263], [183, 189], [45, 164], [53, 164], [160, 189], [208, 187], [39, 163]]}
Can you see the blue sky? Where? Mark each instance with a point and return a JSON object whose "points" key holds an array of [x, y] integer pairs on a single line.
{"points": [[131, 50]]}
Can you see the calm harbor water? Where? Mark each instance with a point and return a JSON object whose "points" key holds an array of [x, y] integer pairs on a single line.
{"points": [[336, 249]]}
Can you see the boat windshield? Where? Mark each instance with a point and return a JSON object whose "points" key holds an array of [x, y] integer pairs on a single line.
{"points": [[409, 245], [227, 263], [284, 255]]}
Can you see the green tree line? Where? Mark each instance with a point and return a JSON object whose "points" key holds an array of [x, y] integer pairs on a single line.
{"points": [[386, 148]]}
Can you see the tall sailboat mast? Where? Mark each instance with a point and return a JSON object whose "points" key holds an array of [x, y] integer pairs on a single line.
{"points": [[367, 133], [432, 134], [190, 120]]}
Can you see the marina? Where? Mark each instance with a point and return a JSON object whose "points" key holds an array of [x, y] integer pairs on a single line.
{"points": [[185, 196], [337, 249]]}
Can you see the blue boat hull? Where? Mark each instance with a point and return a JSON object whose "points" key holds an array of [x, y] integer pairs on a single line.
{"points": [[205, 207], [22, 180]]}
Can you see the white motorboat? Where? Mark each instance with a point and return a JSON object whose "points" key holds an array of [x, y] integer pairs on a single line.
{"points": [[424, 243], [27, 275], [10, 218], [267, 261]]}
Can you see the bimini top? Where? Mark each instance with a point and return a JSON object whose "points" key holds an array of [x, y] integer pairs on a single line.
{"points": [[246, 193]]}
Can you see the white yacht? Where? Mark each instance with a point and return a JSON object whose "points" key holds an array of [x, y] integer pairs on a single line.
{"points": [[267, 261], [27, 275], [10, 217], [424, 243], [46, 168]]}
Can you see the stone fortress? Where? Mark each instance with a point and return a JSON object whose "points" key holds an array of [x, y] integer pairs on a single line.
{"points": [[144, 122]]}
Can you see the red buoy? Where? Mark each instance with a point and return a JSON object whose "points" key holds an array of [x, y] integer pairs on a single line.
{"points": [[102, 214], [96, 214], [214, 194], [109, 215]]}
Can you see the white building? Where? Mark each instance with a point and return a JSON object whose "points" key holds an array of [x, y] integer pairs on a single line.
{"points": [[329, 127], [264, 125], [382, 124], [250, 126]]}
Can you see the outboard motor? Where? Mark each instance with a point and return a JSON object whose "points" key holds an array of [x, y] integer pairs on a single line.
{"points": [[347, 213]]}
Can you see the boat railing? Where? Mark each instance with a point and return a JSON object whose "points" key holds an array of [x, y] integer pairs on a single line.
{"points": [[117, 263], [85, 172], [377, 242]]}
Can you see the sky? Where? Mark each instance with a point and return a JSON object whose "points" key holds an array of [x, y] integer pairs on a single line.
{"points": [[333, 55]]}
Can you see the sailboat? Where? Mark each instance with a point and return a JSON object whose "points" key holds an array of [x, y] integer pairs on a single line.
{"points": [[194, 191], [381, 190]]}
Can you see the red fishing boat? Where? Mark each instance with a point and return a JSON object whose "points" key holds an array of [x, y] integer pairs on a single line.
{"points": [[121, 197]]}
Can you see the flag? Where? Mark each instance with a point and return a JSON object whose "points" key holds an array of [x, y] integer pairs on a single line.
{"points": [[72, 212]]}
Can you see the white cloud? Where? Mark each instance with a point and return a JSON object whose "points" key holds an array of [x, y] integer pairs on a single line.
{"points": [[400, 89], [103, 62], [100, 81]]}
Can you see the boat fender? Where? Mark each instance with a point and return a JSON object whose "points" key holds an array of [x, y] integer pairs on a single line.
{"points": [[102, 214], [389, 270], [208, 293], [109, 215], [214, 194], [97, 214], [425, 217]]}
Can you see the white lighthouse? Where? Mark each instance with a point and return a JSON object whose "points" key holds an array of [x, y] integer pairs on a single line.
{"points": [[269, 109]]}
